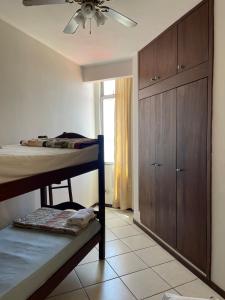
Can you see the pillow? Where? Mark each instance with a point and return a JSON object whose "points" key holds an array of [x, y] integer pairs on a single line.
{"points": [[70, 135]]}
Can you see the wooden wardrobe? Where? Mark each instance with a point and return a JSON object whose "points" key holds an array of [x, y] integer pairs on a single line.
{"points": [[175, 100]]}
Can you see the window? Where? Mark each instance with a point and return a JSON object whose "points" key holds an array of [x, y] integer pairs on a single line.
{"points": [[108, 113]]}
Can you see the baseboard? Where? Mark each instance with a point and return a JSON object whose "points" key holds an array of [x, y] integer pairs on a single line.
{"points": [[217, 289], [110, 206], [188, 265], [106, 205]]}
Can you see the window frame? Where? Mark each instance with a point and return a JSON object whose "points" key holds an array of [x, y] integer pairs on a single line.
{"points": [[102, 98]]}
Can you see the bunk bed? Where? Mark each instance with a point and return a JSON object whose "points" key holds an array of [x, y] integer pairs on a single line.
{"points": [[24, 185]]}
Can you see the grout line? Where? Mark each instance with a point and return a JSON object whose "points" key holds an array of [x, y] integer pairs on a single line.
{"points": [[123, 237], [64, 293], [160, 264], [158, 294], [141, 232], [100, 282], [184, 283], [146, 267], [85, 292], [128, 289]]}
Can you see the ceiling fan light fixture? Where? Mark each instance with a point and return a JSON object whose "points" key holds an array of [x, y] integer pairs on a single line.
{"points": [[99, 18], [80, 19], [90, 9]]}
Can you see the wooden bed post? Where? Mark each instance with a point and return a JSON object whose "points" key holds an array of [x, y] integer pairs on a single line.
{"points": [[44, 197], [101, 194]]}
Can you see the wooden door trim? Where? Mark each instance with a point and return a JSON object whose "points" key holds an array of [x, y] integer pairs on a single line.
{"points": [[209, 138]]}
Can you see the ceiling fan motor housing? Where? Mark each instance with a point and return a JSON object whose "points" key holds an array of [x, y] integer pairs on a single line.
{"points": [[88, 10]]}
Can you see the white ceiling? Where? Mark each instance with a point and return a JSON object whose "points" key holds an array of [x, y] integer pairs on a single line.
{"points": [[110, 42]]}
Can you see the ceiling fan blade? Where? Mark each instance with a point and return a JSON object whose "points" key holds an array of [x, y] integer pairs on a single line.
{"points": [[118, 16], [45, 2], [72, 26]]}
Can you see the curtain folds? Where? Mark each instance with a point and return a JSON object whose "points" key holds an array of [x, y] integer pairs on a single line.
{"points": [[123, 180]]}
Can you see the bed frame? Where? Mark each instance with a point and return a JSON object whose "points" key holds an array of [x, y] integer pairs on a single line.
{"points": [[41, 181]]}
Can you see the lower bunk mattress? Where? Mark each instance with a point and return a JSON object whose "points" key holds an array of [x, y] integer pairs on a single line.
{"points": [[29, 257], [18, 161]]}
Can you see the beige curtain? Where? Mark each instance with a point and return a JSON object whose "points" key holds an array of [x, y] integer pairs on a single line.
{"points": [[123, 178]]}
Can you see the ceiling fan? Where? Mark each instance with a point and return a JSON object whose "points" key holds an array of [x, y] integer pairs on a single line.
{"points": [[90, 9]]}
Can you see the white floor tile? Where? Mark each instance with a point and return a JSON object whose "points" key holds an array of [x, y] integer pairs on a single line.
{"points": [[197, 289], [137, 242], [115, 222], [109, 290], [145, 283], [95, 272], [92, 256], [78, 295], [70, 283], [160, 296], [126, 263], [116, 247], [110, 214], [109, 236], [139, 229], [154, 256], [127, 213], [126, 217], [125, 231], [174, 273]]}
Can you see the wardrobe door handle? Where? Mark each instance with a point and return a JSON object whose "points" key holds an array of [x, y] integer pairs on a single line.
{"points": [[179, 170], [153, 165], [155, 78], [180, 67], [157, 165]]}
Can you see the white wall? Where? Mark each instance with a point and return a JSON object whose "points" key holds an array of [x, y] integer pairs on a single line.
{"points": [[107, 71], [218, 158], [41, 92]]}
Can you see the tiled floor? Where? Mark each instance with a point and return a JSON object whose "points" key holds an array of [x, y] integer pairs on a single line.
{"points": [[135, 268]]}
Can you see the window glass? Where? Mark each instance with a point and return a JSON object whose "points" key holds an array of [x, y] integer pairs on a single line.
{"points": [[108, 128], [109, 87]]}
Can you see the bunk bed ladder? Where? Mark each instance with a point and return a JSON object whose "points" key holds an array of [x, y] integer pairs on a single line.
{"points": [[51, 188]]}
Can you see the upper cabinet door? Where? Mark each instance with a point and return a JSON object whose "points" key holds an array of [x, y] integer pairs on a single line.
{"points": [[166, 58], [193, 39], [158, 60], [147, 65]]}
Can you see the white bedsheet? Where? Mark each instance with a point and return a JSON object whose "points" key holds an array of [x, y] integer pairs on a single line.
{"points": [[18, 161], [29, 257]]}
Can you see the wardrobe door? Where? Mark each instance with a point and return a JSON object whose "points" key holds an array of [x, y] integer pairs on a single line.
{"points": [[166, 58], [146, 162], [193, 38], [166, 167], [147, 65], [192, 172]]}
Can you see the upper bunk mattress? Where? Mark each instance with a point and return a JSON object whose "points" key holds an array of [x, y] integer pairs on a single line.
{"points": [[18, 161]]}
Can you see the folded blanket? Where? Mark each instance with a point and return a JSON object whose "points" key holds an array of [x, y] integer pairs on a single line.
{"points": [[49, 219], [78, 143], [82, 217]]}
